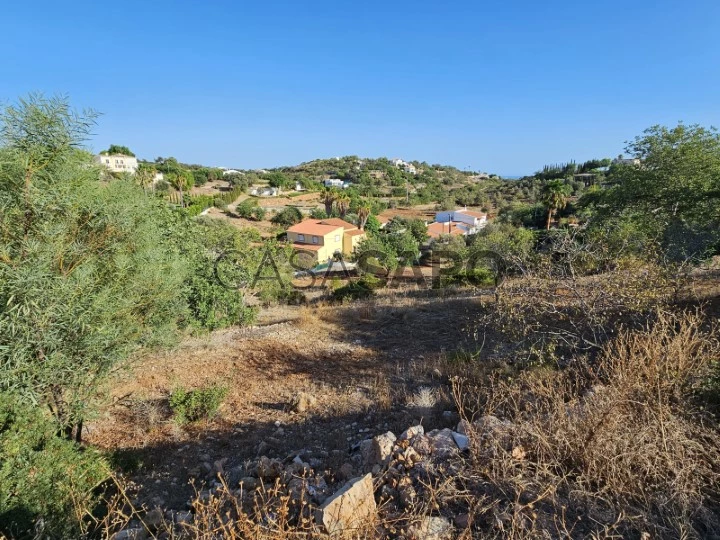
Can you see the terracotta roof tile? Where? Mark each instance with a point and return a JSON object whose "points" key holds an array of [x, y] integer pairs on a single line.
{"points": [[338, 223], [313, 227], [436, 230]]}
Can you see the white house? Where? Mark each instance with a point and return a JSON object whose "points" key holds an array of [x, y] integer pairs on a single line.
{"points": [[410, 168], [334, 182], [626, 161], [265, 191], [231, 171], [472, 219], [397, 162], [118, 163]]}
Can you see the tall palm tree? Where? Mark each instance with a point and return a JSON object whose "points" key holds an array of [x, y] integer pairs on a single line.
{"points": [[363, 215], [342, 202], [554, 196], [328, 198]]}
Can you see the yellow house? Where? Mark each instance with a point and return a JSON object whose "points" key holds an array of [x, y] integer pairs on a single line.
{"points": [[321, 239]]}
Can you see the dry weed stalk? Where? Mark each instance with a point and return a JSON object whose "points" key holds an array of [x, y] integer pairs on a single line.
{"points": [[614, 448]]}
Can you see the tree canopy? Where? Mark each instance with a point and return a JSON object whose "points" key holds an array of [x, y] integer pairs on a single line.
{"points": [[118, 149]]}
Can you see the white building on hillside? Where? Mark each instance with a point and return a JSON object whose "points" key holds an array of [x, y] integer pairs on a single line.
{"points": [[620, 160], [334, 182], [118, 163], [470, 218]]}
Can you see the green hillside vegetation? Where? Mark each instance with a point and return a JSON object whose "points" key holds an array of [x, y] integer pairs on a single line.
{"points": [[586, 264]]}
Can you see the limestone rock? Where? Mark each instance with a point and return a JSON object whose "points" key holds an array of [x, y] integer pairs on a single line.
{"points": [[383, 447], [443, 443], [422, 445], [411, 432], [433, 528], [349, 508]]}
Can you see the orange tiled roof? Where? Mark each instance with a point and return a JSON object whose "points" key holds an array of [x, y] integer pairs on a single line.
{"points": [[313, 227], [356, 232], [339, 223], [435, 230]]}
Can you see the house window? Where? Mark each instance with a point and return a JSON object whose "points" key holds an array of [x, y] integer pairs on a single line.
{"points": [[301, 237], [337, 237], [315, 239]]}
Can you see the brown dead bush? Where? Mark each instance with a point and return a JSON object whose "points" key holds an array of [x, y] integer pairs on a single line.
{"points": [[618, 447], [578, 313]]}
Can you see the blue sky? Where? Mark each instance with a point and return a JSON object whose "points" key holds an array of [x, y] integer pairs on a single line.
{"points": [[500, 86]]}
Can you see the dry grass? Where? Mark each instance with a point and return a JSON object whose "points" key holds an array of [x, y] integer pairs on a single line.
{"points": [[614, 444], [619, 447]]}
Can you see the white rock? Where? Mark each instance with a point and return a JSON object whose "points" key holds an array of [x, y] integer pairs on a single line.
{"points": [[443, 443], [349, 508], [433, 528], [383, 447], [411, 432]]}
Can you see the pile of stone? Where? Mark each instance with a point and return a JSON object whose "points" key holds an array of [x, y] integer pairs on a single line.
{"points": [[387, 469]]}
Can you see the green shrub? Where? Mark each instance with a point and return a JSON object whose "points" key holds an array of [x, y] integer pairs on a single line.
{"points": [[287, 217], [364, 287], [199, 404], [46, 482], [258, 213]]}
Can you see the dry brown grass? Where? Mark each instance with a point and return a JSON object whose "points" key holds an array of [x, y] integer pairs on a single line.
{"points": [[619, 447]]}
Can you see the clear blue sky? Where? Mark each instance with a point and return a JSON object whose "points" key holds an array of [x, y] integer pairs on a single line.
{"points": [[501, 86]]}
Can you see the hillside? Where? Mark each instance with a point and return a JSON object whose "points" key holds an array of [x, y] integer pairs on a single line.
{"points": [[196, 355]]}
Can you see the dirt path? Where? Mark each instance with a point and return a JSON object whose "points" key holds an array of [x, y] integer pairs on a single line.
{"points": [[360, 362]]}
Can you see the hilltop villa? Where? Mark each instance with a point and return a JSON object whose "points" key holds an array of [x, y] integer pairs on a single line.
{"points": [[326, 237], [118, 163]]}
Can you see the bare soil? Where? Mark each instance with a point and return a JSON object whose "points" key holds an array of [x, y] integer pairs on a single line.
{"points": [[362, 362]]}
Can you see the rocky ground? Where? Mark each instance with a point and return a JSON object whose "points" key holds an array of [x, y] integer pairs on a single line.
{"points": [[307, 385], [404, 473]]}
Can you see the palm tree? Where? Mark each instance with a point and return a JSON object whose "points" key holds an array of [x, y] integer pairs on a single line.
{"points": [[145, 176], [554, 196], [328, 197], [343, 204], [180, 182], [363, 215]]}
